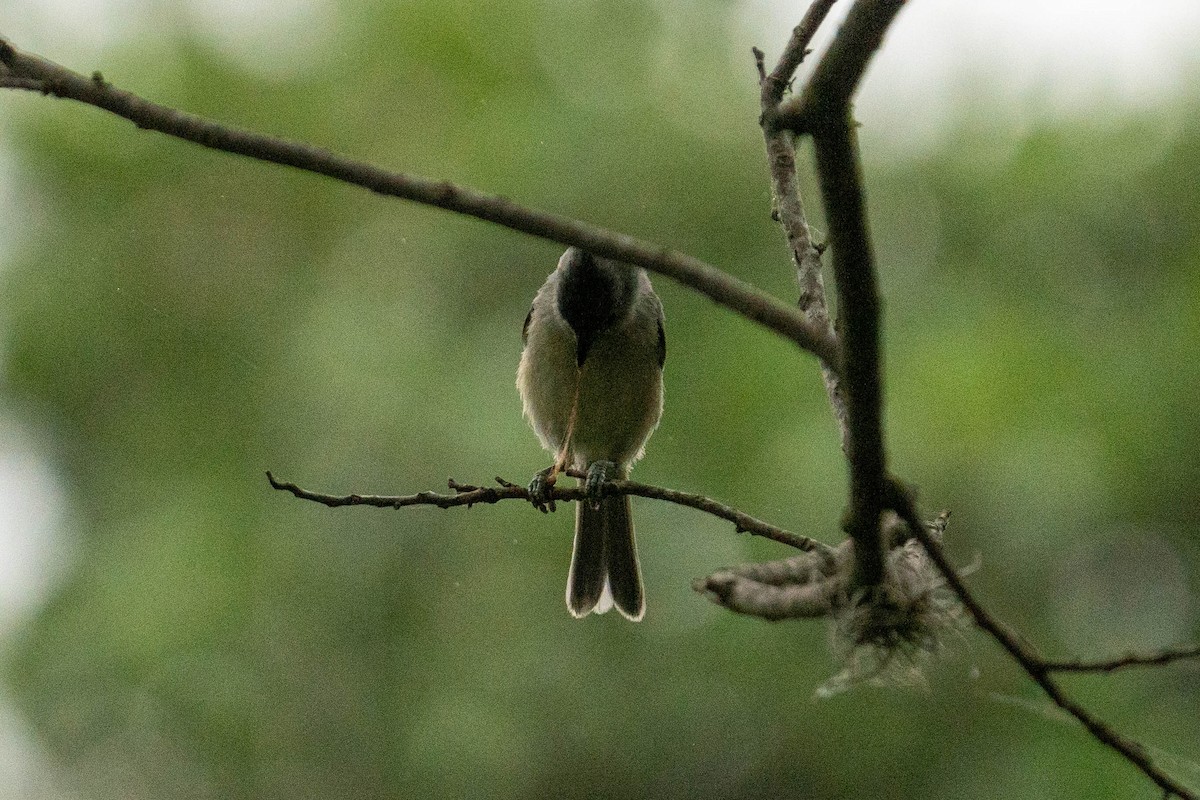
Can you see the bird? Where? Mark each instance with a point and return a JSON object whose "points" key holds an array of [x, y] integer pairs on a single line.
{"points": [[591, 386]]}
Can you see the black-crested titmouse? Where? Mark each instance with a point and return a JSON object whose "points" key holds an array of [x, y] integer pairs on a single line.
{"points": [[591, 383]]}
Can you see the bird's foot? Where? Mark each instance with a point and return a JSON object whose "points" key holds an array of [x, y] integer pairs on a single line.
{"points": [[593, 486], [541, 487]]}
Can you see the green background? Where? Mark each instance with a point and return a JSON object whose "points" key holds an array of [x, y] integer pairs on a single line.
{"points": [[176, 321]]}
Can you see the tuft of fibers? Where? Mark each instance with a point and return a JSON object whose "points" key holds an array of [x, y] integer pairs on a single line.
{"points": [[885, 635]]}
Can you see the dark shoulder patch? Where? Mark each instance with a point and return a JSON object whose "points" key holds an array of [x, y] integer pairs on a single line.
{"points": [[525, 327], [662, 343]]}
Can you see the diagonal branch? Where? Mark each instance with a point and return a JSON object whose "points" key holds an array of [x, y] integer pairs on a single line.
{"points": [[467, 495], [27, 71]]}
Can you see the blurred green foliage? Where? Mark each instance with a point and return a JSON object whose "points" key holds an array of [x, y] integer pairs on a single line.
{"points": [[177, 321]]}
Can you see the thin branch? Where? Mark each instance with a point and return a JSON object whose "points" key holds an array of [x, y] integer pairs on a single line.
{"points": [[468, 495], [1037, 668], [31, 71], [1167, 655], [786, 205], [776, 84]]}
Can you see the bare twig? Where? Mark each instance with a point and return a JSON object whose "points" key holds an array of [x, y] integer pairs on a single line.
{"points": [[776, 84], [1167, 655], [467, 495], [786, 206], [726, 290]]}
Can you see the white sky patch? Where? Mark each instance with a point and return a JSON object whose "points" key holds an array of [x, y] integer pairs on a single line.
{"points": [[268, 37], [32, 526], [271, 38], [1029, 59], [37, 551], [70, 32], [26, 771], [1041, 55]]}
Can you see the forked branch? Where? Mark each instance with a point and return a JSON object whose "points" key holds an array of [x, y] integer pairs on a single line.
{"points": [[826, 115], [822, 110]]}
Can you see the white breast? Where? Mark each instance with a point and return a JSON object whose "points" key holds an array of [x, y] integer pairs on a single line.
{"points": [[619, 387]]}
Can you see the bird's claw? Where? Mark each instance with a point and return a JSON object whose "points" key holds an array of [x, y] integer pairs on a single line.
{"points": [[541, 488], [593, 486]]}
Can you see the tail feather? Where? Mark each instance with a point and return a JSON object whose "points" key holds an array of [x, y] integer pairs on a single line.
{"points": [[587, 579], [604, 565], [624, 576]]}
